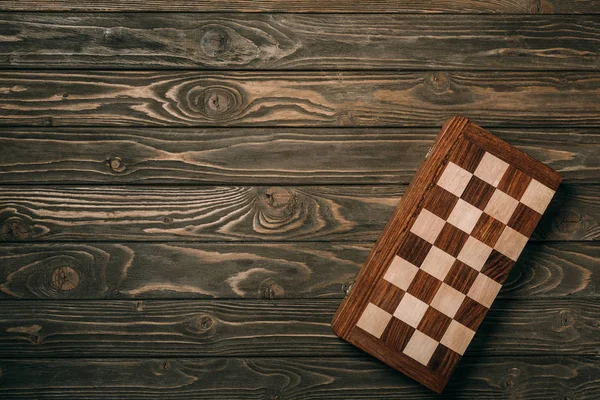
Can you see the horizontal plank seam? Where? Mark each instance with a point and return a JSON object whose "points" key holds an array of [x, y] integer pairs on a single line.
{"points": [[283, 242], [332, 300], [357, 356], [92, 10], [254, 242], [318, 71], [366, 69]]}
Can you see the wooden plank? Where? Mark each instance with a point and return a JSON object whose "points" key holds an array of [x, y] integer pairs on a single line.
{"points": [[183, 213], [259, 155], [179, 98], [262, 328], [282, 6], [535, 378], [252, 270], [292, 42]]}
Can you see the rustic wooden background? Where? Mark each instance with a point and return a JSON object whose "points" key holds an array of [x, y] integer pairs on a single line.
{"points": [[186, 188]]}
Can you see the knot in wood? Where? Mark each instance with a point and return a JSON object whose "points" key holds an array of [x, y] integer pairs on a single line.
{"points": [[278, 197], [269, 289], [203, 326], [116, 164], [36, 339], [161, 368], [510, 381], [567, 222], [214, 102], [215, 42], [14, 228], [65, 278], [439, 81], [565, 319]]}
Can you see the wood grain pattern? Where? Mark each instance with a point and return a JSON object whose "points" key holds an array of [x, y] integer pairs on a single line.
{"points": [[275, 213], [254, 270], [307, 42], [181, 98], [301, 6], [294, 378], [259, 155], [263, 328]]}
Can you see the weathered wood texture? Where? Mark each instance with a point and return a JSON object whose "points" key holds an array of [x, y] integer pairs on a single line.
{"points": [[301, 6], [182, 213], [293, 378], [253, 270], [321, 120], [259, 155], [307, 42], [298, 99], [264, 328], [314, 6]]}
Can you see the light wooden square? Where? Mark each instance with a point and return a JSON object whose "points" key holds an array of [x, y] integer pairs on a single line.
{"points": [[537, 196], [491, 169], [484, 290], [427, 226], [410, 310], [437, 263], [511, 243], [474, 253], [420, 347], [374, 320], [447, 300], [464, 216], [501, 206], [457, 337], [454, 179], [400, 273]]}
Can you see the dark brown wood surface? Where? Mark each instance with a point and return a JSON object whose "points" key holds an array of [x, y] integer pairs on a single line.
{"points": [[314, 6], [253, 155], [194, 328], [304, 270], [187, 188], [242, 213], [307, 42], [184, 98]]}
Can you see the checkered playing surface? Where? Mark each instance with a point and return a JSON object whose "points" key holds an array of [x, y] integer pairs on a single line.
{"points": [[471, 229]]}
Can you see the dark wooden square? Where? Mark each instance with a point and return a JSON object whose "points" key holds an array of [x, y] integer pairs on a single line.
{"points": [[387, 296], [467, 155], [488, 230], [461, 276], [497, 266], [451, 239], [514, 182], [434, 324], [397, 334], [440, 202], [524, 220], [478, 193], [471, 313], [415, 249], [424, 286]]}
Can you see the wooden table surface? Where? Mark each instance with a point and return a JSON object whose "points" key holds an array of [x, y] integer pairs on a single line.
{"points": [[187, 188]]}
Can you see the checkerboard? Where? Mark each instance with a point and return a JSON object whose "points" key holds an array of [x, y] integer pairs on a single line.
{"points": [[455, 249]]}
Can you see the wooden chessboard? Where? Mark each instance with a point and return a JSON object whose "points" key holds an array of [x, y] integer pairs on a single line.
{"points": [[443, 256]]}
